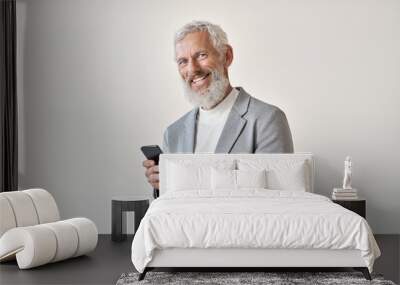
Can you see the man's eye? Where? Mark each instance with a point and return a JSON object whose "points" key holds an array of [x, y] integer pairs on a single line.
{"points": [[181, 62], [202, 55]]}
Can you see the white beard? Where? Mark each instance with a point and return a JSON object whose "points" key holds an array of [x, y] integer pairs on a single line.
{"points": [[210, 97]]}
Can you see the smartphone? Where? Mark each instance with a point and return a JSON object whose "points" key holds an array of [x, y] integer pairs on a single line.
{"points": [[152, 152]]}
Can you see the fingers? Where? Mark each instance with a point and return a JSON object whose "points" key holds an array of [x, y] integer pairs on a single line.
{"points": [[154, 179], [151, 170], [148, 163], [155, 185], [152, 173]]}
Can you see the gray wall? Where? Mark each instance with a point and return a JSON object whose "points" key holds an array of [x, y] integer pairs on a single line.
{"points": [[97, 80]]}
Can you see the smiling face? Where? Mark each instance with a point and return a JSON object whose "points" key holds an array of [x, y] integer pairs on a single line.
{"points": [[196, 58], [202, 68]]}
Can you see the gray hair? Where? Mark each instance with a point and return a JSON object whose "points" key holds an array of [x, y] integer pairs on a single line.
{"points": [[216, 33]]}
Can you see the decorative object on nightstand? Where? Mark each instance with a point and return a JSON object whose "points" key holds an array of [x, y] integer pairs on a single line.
{"points": [[347, 196], [358, 205], [346, 192], [121, 204]]}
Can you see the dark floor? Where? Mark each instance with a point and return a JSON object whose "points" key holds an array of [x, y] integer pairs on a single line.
{"points": [[110, 259]]}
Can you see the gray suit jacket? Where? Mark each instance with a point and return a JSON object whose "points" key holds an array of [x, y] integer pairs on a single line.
{"points": [[252, 127]]}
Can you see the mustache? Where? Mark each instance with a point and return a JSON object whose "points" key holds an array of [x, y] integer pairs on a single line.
{"points": [[199, 73]]}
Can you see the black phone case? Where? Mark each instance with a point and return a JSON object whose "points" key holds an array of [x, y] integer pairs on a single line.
{"points": [[152, 152]]}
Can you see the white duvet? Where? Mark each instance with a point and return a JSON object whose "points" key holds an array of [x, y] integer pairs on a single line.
{"points": [[250, 219]]}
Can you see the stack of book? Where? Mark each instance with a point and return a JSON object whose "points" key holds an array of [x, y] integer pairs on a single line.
{"points": [[344, 194]]}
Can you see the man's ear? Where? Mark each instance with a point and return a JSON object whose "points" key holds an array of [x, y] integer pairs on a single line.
{"points": [[228, 56]]}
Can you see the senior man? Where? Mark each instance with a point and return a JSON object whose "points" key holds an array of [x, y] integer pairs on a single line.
{"points": [[225, 119]]}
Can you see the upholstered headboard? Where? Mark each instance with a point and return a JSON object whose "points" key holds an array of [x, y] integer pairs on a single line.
{"points": [[238, 161]]}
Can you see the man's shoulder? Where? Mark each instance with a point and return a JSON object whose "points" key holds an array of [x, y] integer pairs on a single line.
{"points": [[259, 108], [180, 123]]}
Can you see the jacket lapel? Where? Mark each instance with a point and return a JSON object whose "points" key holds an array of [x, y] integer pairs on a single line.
{"points": [[189, 134], [234, 124]]}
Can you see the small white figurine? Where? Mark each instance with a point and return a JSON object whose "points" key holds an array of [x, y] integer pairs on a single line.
{"points": [[347, 173]]}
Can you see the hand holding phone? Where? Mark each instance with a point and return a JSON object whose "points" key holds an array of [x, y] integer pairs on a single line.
{"points": [[152, 153]]}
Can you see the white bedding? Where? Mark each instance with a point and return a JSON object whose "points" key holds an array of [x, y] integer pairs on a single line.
{"points": [[251, 218]]}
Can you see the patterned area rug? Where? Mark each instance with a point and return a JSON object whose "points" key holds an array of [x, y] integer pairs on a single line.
{"points": [[269, 278]]}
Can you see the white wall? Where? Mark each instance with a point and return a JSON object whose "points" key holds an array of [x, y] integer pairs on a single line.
{"points": [[97, 81]]}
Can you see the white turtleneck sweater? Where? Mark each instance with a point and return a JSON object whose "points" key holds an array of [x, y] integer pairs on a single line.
{"points": [[210, 123]]}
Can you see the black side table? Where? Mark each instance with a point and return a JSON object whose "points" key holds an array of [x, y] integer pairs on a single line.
{"points": [[358, 206], [121, 204]]}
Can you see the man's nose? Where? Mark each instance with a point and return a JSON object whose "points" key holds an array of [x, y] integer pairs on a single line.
{"points": [[193, 67]]}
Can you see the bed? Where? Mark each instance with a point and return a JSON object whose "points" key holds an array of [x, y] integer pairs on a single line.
{"points": [[245, 211]]}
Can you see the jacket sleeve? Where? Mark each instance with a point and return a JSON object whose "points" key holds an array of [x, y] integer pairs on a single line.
{"points": [[273, 135]]}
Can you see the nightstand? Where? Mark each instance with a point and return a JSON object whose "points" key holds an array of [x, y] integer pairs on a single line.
{"points": [[127, 203], [358, 206]]}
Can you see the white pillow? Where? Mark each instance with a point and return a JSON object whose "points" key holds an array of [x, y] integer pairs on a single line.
{"points": [[225, 179], [251, 178], [193, 174], [281, 174], [181, 177], [293, 178]]}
